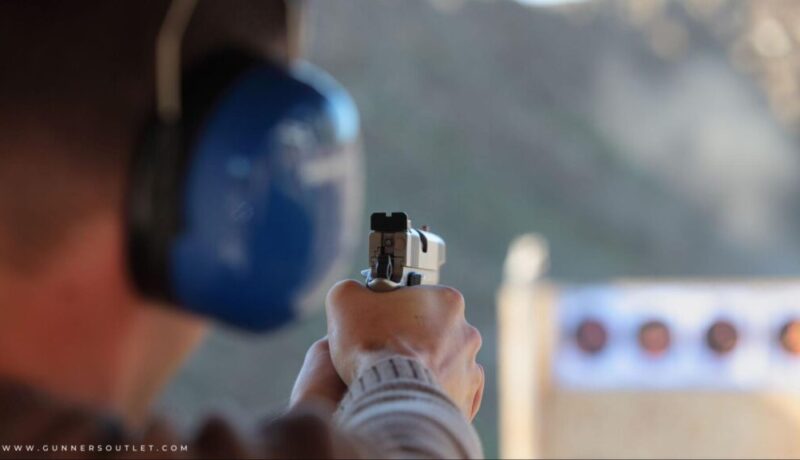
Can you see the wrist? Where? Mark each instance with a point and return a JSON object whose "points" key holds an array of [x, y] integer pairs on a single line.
{"points": [[368, 359]]}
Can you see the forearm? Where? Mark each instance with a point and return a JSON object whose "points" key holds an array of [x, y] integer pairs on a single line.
{"points": [[395, 409]]}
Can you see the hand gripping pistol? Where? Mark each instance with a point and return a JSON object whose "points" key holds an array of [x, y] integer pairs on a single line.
{"points": [[400, 255]]}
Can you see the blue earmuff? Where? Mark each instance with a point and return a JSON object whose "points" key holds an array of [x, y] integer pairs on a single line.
{"points": [[244, 210]]}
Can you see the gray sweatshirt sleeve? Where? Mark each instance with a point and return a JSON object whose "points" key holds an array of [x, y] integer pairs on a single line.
{"points": [[396, 409]]}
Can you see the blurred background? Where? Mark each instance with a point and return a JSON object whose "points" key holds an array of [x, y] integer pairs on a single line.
{"points": [[640, 138]]}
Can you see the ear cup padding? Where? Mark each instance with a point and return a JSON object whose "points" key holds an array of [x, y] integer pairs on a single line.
{"points": [[245, 211], [158, 167]]}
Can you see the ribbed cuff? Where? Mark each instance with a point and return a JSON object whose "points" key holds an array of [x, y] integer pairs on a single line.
{"points": [[390, 369], [396, 408], [396, 372]]}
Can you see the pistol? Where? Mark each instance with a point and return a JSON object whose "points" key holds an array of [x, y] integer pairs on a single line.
{"points": [[400, 255]]}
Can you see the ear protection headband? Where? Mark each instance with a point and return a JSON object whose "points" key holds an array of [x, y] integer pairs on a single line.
{"points": [[246, 186]]}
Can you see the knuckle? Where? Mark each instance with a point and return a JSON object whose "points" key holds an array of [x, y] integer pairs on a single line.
{"points": [[318, 347], [342, 292], [478, 379], [474, 337], [321, 345], [452, 298]]}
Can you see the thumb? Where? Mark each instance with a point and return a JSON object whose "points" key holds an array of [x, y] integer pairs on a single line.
{"points": [[318, 379]]}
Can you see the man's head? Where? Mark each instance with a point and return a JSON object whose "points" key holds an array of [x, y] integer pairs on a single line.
{"points": [[76, 90]]}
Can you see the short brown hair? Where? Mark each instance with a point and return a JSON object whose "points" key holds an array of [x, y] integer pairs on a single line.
{"points": [[76, 89]]}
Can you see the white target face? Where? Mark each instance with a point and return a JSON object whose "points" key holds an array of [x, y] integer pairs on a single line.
{"points": [[679, 336]]}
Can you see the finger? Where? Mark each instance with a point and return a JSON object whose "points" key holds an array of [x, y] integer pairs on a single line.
{"points": [[435, 293], [318, 378], [453, 298], [321, 346], [330, 392], [473, 340], [477, 399], [345, 292]]}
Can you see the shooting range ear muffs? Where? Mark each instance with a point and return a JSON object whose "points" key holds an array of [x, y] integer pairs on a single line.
{"points": [[244, 209]]}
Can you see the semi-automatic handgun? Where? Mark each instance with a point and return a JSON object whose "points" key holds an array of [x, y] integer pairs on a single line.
{"points": [[400, 255]]}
